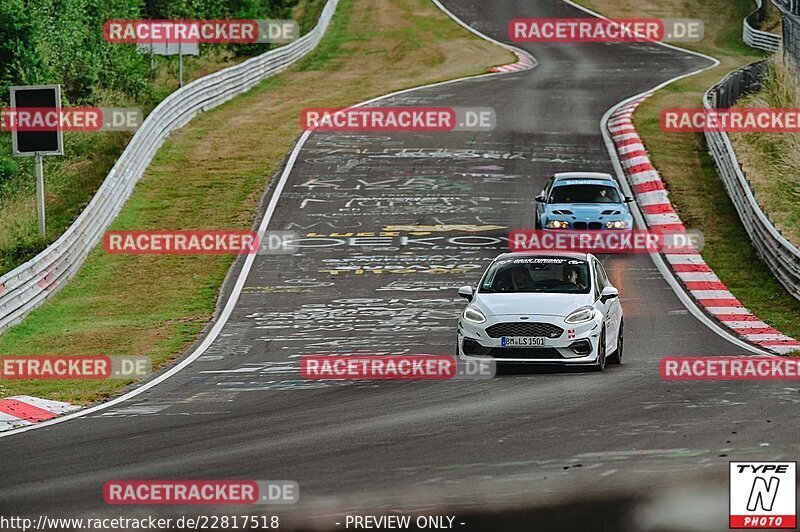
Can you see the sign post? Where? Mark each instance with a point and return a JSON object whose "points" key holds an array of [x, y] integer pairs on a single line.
{"points": [[38, 143], [180, 61], [40, 193], [175, 46]]}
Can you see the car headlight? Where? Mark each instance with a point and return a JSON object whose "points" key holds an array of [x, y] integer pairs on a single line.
{"points": [[474, 315], [557, 224], [617, 224], [581, 315]]}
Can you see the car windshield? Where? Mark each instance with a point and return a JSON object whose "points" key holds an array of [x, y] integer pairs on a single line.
{"points": [[584, 194], [556, 275]]}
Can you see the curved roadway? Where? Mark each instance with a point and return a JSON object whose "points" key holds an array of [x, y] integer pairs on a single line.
{"points": [[615, 441]]}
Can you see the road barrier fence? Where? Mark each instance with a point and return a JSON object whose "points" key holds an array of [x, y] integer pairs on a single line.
{"points": [[790, 9], [752, 36], [29, 285], [780, 255]]}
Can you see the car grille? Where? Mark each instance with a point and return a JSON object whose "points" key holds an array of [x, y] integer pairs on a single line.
{"points": [[592, 226], [547, 330], [471, 347]]}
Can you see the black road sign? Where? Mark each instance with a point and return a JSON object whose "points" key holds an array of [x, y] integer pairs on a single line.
{"points": [[27, 143]]}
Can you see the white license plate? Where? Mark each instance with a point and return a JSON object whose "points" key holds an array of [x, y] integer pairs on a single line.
{"points": [[523, 341]]}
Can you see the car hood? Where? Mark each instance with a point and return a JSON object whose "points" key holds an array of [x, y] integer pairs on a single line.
{"points": [[530, 304], [591, 211]]}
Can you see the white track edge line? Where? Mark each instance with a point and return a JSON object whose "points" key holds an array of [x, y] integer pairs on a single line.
{"points": [[513, 49], [665, 44], [233, 298], [688, 302]]}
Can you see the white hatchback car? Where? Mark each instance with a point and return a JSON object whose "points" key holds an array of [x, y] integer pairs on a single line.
{"points": [[554, 308]]}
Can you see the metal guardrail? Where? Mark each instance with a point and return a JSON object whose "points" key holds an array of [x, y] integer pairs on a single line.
{"points": [[789, 6], [29, 285], [790, 11], [780, 255], [756, 38]]}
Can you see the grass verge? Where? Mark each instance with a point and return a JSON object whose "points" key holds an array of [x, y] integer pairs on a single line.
{"points": [[158, 305], [688, 170], [71, 180], [772, 160]]}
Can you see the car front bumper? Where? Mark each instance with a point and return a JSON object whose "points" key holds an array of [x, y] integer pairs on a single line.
{"points": [[584, 226], [577, 345]]}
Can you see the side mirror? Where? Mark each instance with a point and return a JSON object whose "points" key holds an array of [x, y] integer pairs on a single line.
{"points": [[466, 292], [540, 198], [608, 293], [628, 199]]}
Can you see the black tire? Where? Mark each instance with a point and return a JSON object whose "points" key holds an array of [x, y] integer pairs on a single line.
{"points": [[600, 365], [616, 356], [537, 223]]}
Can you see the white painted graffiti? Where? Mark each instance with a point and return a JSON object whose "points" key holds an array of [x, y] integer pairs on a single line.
{"points": [[387, 184], [432, 243], [377, 315], [421, 286], [436, 264]]}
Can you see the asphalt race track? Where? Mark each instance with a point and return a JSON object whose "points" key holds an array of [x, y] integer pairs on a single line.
{"points": [[569, 449]]}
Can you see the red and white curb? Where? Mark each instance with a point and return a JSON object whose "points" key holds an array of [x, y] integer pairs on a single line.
{"points": [[524, 62], [22, 410], [696, 276]]}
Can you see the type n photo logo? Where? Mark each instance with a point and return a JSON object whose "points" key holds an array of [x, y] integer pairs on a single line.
{"points": [[763, 495]]}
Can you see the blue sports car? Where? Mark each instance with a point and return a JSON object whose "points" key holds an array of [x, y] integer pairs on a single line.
{"points": [[582, 201]]}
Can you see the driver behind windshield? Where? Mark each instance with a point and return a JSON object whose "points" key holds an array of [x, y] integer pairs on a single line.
{"points": [[572, 274], [584, 194], [521, 279], [602, 196], [550, 275]]}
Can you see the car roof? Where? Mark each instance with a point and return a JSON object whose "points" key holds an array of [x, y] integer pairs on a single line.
{"points": [[532, 254], [562, 176]]}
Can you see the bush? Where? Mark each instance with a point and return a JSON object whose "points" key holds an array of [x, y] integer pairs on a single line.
{"points": [[8, 168], [61, 41]]}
